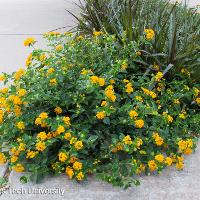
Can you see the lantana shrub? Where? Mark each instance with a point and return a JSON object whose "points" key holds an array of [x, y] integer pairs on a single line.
{"points": [[86, 106]]}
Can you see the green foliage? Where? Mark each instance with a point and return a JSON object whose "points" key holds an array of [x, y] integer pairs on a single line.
{"points": [[177, 28], [84, 106]]}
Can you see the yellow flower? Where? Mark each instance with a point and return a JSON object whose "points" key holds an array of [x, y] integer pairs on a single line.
{"points": [[80, 176], [182, 116], [18, 168], [176, 101], [188, 151], [196, 91], [139, 142], [4, 90], [101, 115], [29, 41], [43, 57], [179, 165], [168, 161], [73, 140], [112, 81], [139, 98], [58, 110], [159, 76], [31, 154], [197, 101], [101, 81], [43, 115], [67, 135], [138, 53], [78, 145], [97, 33], [62, 156], [59, 47], [2, 78], [109, 92], [129, 88], [22, 147], [149, 93], [53, 81], [40, 146], [2, 158], [94, 79], [159, 158], [18, 74], [67, 121], [38, 121], [149, 34], [133, 114], [20, 125], [50, 71], [70, 172], [182, 145], [21, 92], [103, 103], [80, 37], [77, 165], [127, 140], [73, 159], [60, 129], [152, 165], [139, 123], [156, 67], [42, 136]]}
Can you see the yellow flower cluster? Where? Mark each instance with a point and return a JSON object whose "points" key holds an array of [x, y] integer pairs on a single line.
{"points": [[29, 60], [149, 93], [80, 176], [53, 81], [29, 41], [50, 71], [127, 140], [60, 129], [158, 139], [19, 168], [139, 123], [182, 115], [149, 34], [97, 33], [70, 172], [110, 93], [185, 146], [129, 88], [59, 47], [62, 156], [21, 92], [58, 110], [40, 120], [40, 146], [77, 165], [158, 76], [67, 121], [133, 114], [31, 154], [18, 74], [20, 125], [2, 78], [67, 135], [42, 136], [101, 115], [97, 80], [78, 145], [2, 158]]}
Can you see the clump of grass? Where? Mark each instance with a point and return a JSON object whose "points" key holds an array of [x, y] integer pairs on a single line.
{"points": [[177, 28]]}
